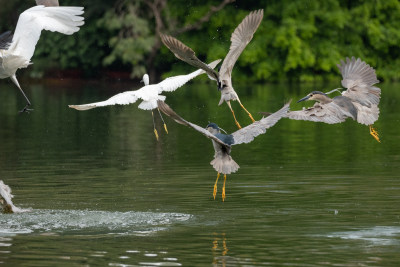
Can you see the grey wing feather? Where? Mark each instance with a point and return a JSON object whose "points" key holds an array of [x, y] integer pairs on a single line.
{"points": [[359, 78], [169, 112], [248, 133], [367, 115], [47, 2], [329, 113], [239, 40], [185, 53], [5, 40]]}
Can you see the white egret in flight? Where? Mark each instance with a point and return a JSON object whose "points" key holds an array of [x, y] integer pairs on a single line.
{"points": [[16, 52], [149, 93]]}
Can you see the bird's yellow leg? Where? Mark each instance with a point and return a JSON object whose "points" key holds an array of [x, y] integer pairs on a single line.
{"points": [[248, 113], [223, 189], [374, 133], [233, 113], [165, 126], [215, 187], [154, 125]]}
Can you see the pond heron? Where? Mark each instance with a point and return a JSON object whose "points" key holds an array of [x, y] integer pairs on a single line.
{"points": [[359, 102]]}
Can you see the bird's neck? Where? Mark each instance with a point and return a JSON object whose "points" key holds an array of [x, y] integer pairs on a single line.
{"points": [[323, 99]]}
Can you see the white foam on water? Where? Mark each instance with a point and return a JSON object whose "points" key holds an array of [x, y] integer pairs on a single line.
{"points": [[378, 235], [131, 222]]}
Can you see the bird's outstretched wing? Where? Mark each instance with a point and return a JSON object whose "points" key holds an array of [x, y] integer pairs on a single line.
{"points": [[169, 112], [239, 40], [32, 21], [47, 2], [5, 40], [329, 113], [172, 83], [248, 133], [124, 98], [185, 53], [359, 78]]}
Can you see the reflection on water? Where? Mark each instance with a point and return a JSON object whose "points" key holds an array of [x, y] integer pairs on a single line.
{"points": [[104, 192]]}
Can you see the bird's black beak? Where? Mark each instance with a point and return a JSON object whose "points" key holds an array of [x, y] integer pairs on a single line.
{"points": [[303, 99]]}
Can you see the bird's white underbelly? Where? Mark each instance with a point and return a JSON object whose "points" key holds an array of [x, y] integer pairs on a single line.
{"points": [[228, 94], [151, 103], [10, 64]]}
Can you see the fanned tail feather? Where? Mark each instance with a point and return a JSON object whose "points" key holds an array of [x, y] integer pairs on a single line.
{"points": [[224, 164]]}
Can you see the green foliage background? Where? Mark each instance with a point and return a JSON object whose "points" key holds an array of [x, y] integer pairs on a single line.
{"points": [[300, 40]]}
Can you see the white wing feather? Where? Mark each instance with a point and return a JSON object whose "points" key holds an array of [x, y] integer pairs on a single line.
{"points": [[31, 22], [124, 98], [172, 83]]}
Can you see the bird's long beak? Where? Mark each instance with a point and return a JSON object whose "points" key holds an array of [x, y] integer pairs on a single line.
{"points": [[141, 81], [303, 99]]}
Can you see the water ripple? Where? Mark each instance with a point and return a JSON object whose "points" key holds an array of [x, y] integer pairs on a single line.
{"points": [[379, 235]]}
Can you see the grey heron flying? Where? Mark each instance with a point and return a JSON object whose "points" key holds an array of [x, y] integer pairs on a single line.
{"points": [[241, 36], [359, 102], [222, 143], [149, 93], [17, 51]]}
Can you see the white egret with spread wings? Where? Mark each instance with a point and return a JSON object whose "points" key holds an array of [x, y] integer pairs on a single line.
{"points": [[149, 94]]}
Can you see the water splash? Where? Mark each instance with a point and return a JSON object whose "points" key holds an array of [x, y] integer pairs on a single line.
{"points": [[6, 204], [105, 222]]}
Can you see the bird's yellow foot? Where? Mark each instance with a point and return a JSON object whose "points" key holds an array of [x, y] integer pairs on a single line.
{"points": [[223, 189], [215, 187], [374, 133], [156, 133], [165, 127]]}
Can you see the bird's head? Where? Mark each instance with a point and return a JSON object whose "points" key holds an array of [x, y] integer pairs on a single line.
{"points": [[145, 79], [314, 95], [213, 128]]}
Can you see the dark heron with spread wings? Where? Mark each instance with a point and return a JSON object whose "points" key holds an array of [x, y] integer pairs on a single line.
{"points": [[359, 102], [223, 162], [239, 40], [16, 50]]}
